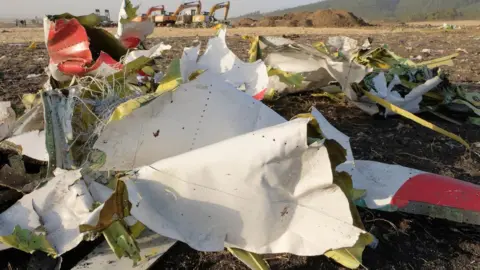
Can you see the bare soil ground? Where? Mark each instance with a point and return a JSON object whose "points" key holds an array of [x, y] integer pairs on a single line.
{"points": [[406, 241]]}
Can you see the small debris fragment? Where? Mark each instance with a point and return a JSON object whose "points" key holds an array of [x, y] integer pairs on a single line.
{"points": [[32, 76], [426, 51]]}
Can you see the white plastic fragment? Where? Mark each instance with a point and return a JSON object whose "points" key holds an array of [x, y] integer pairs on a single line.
{"points": [[7, 119], [201, 112], [411, 102], [33, 144], [153, 52], [266, 191]]}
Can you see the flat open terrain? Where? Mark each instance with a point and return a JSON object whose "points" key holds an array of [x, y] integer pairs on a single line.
{"points": [[406, 241]]}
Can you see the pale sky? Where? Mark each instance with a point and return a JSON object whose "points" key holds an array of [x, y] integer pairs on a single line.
{"points": [[32, 8]]}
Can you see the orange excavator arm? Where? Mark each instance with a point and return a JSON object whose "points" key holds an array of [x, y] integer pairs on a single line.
{"points": [[218, 6], [197, 4], [155, 8]]}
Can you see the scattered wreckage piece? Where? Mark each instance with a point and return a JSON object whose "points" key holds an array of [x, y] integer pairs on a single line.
{"points": [[127, 143], [374, 79], [251, 78], [7, 119], [132, 29], [151, 245], [396, 188]]}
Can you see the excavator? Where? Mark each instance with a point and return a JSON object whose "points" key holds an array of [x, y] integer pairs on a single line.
{"points": [[164, 18], [226, 6], [185, 20], [206, 19], [173, 18]]}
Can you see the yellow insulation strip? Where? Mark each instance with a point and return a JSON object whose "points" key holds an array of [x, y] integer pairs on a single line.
{"points": [[414, 118], [443, 61]]}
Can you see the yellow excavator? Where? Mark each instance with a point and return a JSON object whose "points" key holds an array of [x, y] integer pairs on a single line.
{"points": [[185, 20], [226, 6], [159, 19], [207, 19]]}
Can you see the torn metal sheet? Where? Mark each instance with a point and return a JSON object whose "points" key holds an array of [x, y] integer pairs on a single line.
{"points": [[54, 208], [152, 247], [33, 144], [396, 188], [7, 119], [276, 176], [52, 214], [198, 113], [318, 68], [218, 58]]}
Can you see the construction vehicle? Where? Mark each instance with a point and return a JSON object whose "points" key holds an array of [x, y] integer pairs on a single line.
{"points": [[207, 19], [226, 6], [185, 20], [161, 18]]}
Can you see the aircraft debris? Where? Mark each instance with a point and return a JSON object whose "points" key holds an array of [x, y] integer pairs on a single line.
{"points": [[144, 158]]}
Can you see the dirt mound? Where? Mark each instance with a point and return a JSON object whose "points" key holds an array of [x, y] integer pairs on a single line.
{"points": [[319, 18], [245, 22], [335, 18]]}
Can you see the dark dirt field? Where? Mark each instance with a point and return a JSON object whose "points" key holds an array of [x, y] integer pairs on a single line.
{"points": [[406, 241]]}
